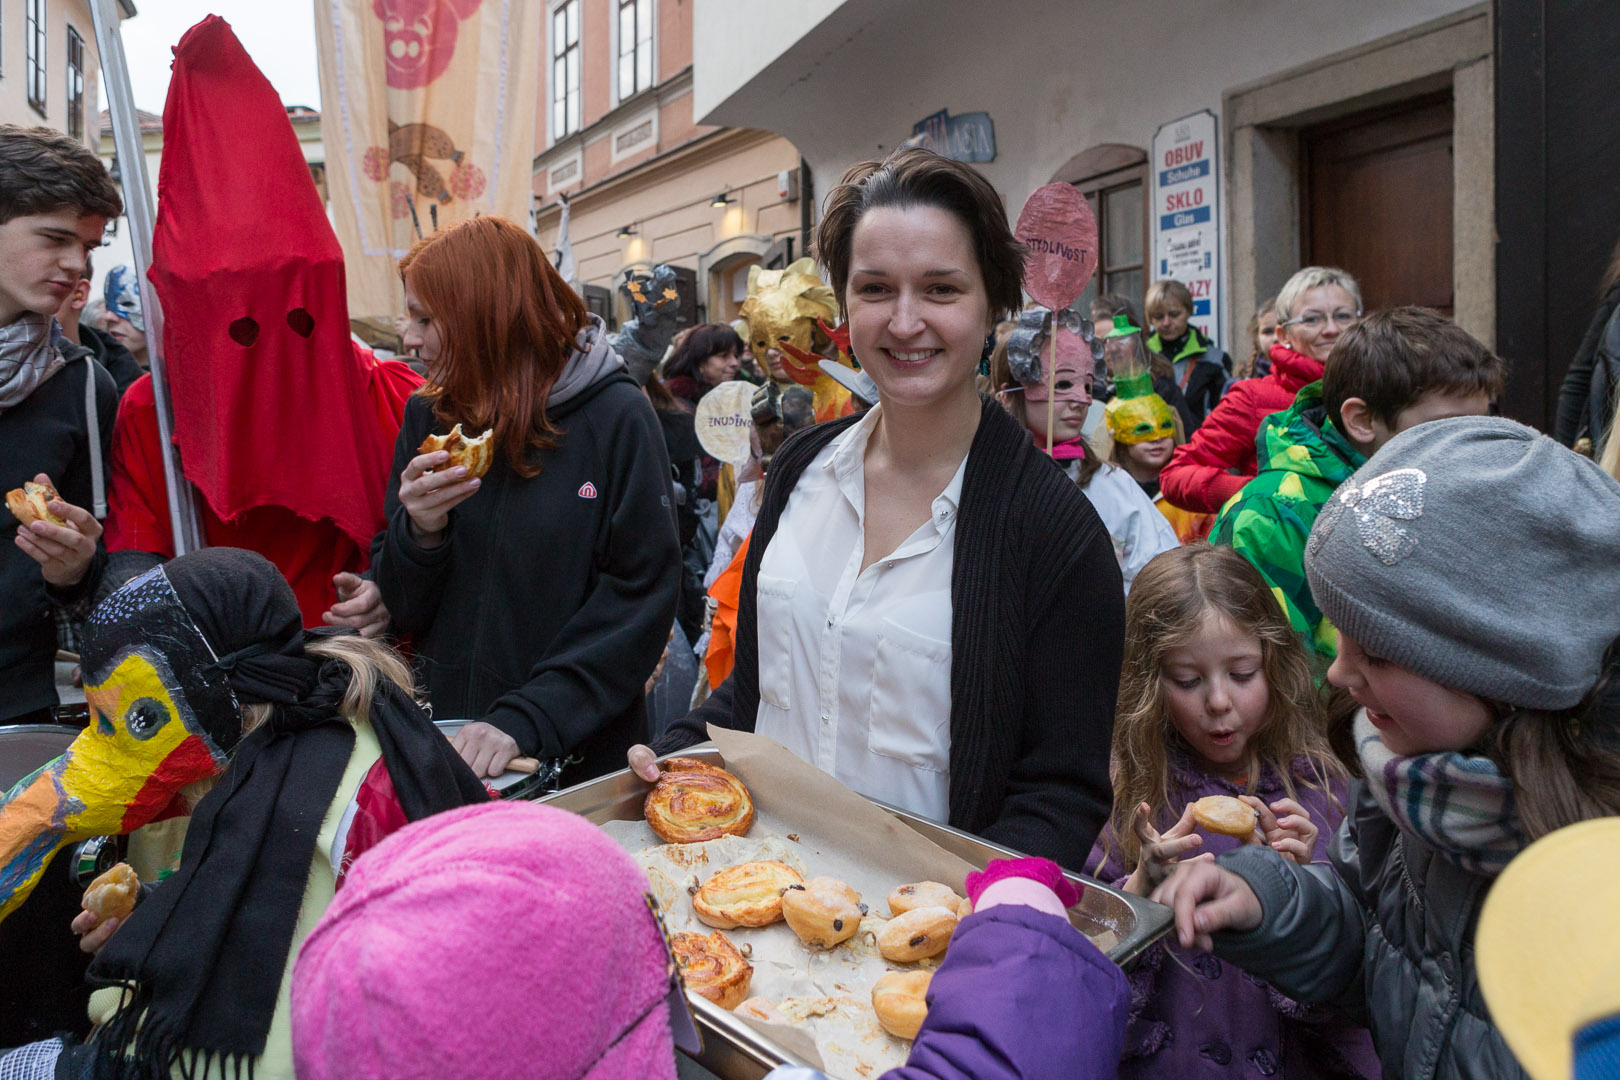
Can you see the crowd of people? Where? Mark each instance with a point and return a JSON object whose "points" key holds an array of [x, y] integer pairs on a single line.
{"points": [[1054, 578]]}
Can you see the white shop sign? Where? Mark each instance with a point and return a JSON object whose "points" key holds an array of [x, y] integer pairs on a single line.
{"points": [[1187, 217]]}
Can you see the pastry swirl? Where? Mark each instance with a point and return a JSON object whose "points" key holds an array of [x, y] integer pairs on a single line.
{"points": [[749, 894], [694, 801], [712, 967]]}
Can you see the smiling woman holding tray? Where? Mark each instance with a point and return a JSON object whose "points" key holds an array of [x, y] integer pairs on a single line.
{"points": [[930, 611]]}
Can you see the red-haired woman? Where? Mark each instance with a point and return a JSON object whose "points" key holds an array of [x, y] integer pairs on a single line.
{"points": [[539, 597]]}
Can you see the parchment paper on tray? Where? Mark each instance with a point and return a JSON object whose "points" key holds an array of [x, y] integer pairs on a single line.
{"points": [[815, 824]]}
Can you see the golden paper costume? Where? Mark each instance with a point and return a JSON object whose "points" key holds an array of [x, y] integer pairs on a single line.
{"points": [[790, 310]]}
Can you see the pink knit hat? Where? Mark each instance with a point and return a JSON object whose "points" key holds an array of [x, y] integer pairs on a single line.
{"points": [[502, 940]]}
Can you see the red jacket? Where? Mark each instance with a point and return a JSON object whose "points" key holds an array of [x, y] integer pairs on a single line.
{"points": [[1220, 458]]}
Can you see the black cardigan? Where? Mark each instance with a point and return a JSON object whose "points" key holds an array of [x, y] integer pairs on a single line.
{"points": [[1037, 636]]}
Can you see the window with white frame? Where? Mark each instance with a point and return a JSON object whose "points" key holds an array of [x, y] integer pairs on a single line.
{"points": [[635, 47], [75, 84], [565, 69], [34, 54]]}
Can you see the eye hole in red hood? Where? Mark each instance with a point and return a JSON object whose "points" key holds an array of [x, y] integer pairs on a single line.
{"points": [[245, 331], [301, 321]]}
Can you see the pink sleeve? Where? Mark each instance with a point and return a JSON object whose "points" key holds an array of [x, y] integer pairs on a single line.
{"points": [[1024, 891]]}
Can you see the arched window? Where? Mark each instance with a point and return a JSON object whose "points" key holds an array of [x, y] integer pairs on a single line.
{"points": [[1113, 178]]}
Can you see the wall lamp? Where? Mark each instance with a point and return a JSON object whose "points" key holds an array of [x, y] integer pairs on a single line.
{"points": [[722, 199], [628, 230]]}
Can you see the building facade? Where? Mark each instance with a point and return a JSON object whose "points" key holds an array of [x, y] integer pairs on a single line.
{"points": [[1242, 138], [645, 183], [50, 67]]}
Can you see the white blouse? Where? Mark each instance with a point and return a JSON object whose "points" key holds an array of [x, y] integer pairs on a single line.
{"points": [[1138, 529], [855, 666]]}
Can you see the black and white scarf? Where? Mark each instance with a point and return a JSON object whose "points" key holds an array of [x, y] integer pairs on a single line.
{"points": [[29, 355]]}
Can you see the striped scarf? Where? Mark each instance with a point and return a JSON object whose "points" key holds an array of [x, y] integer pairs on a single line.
{"points": [[1458, 804], [29, 354]]}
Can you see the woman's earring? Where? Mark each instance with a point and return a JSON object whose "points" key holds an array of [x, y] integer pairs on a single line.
{"points": [[984, 357]]}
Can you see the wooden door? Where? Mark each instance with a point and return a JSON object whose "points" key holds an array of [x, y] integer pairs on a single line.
{"points": [[1378, 194]]}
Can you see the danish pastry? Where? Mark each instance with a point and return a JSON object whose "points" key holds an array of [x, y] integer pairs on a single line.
{"points": [[922, 894], [112, 895], [27, 504], [919, 933], [476, 454], [712, 967], [1226, 815], [694, 801], [746, 895], [900, 1000], [823, 911]]}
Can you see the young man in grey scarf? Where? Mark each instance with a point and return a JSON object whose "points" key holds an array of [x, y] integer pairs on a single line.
{"points": [[55, 199]]}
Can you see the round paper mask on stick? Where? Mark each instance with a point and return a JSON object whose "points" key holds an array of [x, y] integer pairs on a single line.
{"points": [[1060, 232], [725, 422]]}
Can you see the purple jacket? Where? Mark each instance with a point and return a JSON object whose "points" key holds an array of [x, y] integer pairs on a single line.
{"points": [[1021, 995], [1194, 1016]]}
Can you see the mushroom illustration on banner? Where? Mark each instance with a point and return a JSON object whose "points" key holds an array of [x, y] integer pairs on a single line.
{"points": [[1059, 233]]}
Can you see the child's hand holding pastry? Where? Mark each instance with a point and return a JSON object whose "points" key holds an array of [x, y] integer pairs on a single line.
{"points": [[1287, 827]]}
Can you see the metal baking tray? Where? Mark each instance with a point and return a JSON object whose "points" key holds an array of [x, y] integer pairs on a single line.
{"points": [[735, 1051]]}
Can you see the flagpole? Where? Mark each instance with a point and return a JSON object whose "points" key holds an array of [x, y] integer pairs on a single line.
{"points": [[138, 206]]}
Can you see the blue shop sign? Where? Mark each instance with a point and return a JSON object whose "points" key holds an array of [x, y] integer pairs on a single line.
{"points": [[965, 137]]}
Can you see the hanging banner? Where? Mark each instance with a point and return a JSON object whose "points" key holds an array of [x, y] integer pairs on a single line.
{"points": [[1186, 214], [427, 114]]}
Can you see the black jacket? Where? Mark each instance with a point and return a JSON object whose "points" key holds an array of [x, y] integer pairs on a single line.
{"points": [[119, 361], [550, 600], [1587, 397], [1037, 636], [47, 433]]}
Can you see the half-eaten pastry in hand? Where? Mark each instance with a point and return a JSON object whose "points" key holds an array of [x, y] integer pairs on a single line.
{"points": [[712, 967], [900, 1000], [27, 504], [113, 894], [476, 454], [746, 895], [1226, 815], [918, 934], [823, 911], [694, 801]]}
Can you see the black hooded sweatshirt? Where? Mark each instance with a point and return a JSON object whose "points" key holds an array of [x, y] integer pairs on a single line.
{"points": [[550, 600]]}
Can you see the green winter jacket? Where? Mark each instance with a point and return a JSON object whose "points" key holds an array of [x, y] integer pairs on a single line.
{"points": [[1303, 459]]}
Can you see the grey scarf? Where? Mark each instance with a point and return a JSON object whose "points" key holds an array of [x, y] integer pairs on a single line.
{"points": [[29, 354], [593, 360]]}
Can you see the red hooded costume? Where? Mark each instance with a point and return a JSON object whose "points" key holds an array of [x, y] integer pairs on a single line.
{"points": [[285, 427]]}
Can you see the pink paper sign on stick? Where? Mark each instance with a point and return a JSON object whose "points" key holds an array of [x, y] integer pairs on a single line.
{"points": [[1060, 231]]}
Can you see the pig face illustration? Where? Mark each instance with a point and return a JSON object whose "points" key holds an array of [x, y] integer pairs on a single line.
{"points": [[420, 37]]}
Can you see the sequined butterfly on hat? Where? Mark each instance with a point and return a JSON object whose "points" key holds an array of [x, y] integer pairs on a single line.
{"points": [[1378, 505]]}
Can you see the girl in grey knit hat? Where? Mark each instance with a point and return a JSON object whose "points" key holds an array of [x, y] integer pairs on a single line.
{"points": [[1472, 568]]}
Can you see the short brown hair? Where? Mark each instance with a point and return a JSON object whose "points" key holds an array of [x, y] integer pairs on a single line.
{"points": [[1164, 292], [1392, 358], [42, 171], [918, 177]]}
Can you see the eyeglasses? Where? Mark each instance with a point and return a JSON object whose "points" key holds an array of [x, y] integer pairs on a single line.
{"points": [[1313, 320]]}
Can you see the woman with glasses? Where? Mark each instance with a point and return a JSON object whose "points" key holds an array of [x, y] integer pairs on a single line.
{"points": [[1314, 309]]}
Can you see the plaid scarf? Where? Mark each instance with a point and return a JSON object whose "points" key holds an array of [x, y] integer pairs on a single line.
{"points": [[1459, 804], [28, 356]]}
